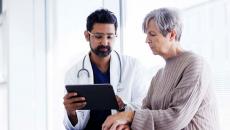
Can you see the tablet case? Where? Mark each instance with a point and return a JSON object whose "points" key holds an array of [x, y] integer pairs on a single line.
{"points": [[98, 96]]}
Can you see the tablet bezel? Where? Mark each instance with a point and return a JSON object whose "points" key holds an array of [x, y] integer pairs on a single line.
{"points": [[98, 96]]}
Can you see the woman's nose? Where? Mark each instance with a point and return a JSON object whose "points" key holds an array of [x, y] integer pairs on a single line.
{"points": [[147, 40]]}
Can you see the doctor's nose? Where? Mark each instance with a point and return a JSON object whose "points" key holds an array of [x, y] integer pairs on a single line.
{"points": [[105, 41]]}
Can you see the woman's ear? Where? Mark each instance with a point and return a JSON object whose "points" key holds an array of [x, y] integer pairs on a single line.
{"points": [[172, 35], [86, 35]]}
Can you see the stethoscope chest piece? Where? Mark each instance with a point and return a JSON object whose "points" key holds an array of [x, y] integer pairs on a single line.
{"points": [[119, 90], [119, 87]]}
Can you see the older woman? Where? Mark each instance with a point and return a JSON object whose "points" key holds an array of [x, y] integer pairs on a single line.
{"points": [[180, 95]]}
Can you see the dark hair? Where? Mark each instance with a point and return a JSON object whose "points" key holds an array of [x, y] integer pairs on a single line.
{"points": [[101, 16]]}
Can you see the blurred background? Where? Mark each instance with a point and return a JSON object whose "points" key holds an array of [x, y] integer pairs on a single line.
{"points": [[41, 39]]}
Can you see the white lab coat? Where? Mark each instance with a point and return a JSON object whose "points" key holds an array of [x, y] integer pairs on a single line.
{"points": [[134, 85]]}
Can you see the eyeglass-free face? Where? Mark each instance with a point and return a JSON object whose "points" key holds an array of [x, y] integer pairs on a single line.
{"points": [[159, 44]]}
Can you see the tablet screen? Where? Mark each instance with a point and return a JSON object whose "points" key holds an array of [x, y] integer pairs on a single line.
{"points": [[98, 96]]}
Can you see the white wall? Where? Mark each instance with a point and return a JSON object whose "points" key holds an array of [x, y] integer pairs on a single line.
{"points": [[3, 70], [27, 65]]}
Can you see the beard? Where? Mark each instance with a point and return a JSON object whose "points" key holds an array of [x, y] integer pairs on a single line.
{"points": [[101, 50]]}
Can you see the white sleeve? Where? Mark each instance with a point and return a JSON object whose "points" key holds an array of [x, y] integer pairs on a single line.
{"points": [[83, 117], [139, 86]]}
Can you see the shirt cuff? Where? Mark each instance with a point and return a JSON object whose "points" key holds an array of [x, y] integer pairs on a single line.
{"points": [[81, 115]]}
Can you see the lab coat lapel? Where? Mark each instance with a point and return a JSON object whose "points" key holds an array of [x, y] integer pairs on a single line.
{"points": [[88, 67], [114, 71]]}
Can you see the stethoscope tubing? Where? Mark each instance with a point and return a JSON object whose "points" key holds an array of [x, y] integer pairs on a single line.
{"points": [[84, 69]]}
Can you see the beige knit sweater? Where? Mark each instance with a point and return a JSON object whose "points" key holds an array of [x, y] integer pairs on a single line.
{"points": [[180, 97]]}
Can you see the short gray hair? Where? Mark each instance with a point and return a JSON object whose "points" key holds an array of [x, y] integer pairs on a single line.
{"points": [[166, 20]]}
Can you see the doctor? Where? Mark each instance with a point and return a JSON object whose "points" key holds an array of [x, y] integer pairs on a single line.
{"points": [[103, 65]]}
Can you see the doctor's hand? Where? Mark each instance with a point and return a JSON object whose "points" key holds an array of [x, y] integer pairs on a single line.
{"points": [[73, 103], [120, 103]]}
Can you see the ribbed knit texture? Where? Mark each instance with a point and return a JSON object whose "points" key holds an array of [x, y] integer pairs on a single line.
{"points": [[180, 97]]}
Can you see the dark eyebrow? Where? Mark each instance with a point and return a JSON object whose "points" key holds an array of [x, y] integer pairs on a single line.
{"points": [[104, 33]]}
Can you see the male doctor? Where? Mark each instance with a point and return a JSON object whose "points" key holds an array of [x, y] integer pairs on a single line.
{"points": [[103, 65]]}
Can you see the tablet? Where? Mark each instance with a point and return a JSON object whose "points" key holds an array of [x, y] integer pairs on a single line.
{"points": [[98, 96]]}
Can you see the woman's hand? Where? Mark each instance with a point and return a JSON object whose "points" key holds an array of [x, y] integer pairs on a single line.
{"points": [[123, 127], [118, 121]]}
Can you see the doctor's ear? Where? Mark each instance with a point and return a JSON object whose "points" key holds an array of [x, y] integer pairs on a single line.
{"points": [[86, 35]]}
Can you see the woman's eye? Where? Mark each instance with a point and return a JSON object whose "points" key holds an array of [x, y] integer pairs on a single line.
{"points": [[151, 35]]}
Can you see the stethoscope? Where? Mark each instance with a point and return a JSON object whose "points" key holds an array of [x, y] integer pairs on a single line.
{"points": [[119, 87]]}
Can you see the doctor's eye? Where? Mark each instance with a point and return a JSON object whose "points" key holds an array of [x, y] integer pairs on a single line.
{"points": [[98, 36], [111, 36]]}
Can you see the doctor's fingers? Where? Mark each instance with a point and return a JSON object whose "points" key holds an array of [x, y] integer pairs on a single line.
{"points": [[75, 106], [79, 105], [70, 95], [74, 100]]}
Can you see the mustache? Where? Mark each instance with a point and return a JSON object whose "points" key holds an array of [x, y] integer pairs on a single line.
{"points": [[103, 47]]}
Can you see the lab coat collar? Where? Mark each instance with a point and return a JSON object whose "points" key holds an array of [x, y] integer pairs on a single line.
{"points": [[114, 70], [88, 67]]}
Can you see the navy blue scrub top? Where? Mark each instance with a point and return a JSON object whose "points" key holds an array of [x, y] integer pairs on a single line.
{"points": [[97, 117]]}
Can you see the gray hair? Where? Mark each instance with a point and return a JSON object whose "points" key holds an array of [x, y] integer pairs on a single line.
{"points": [[166, 20]]}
